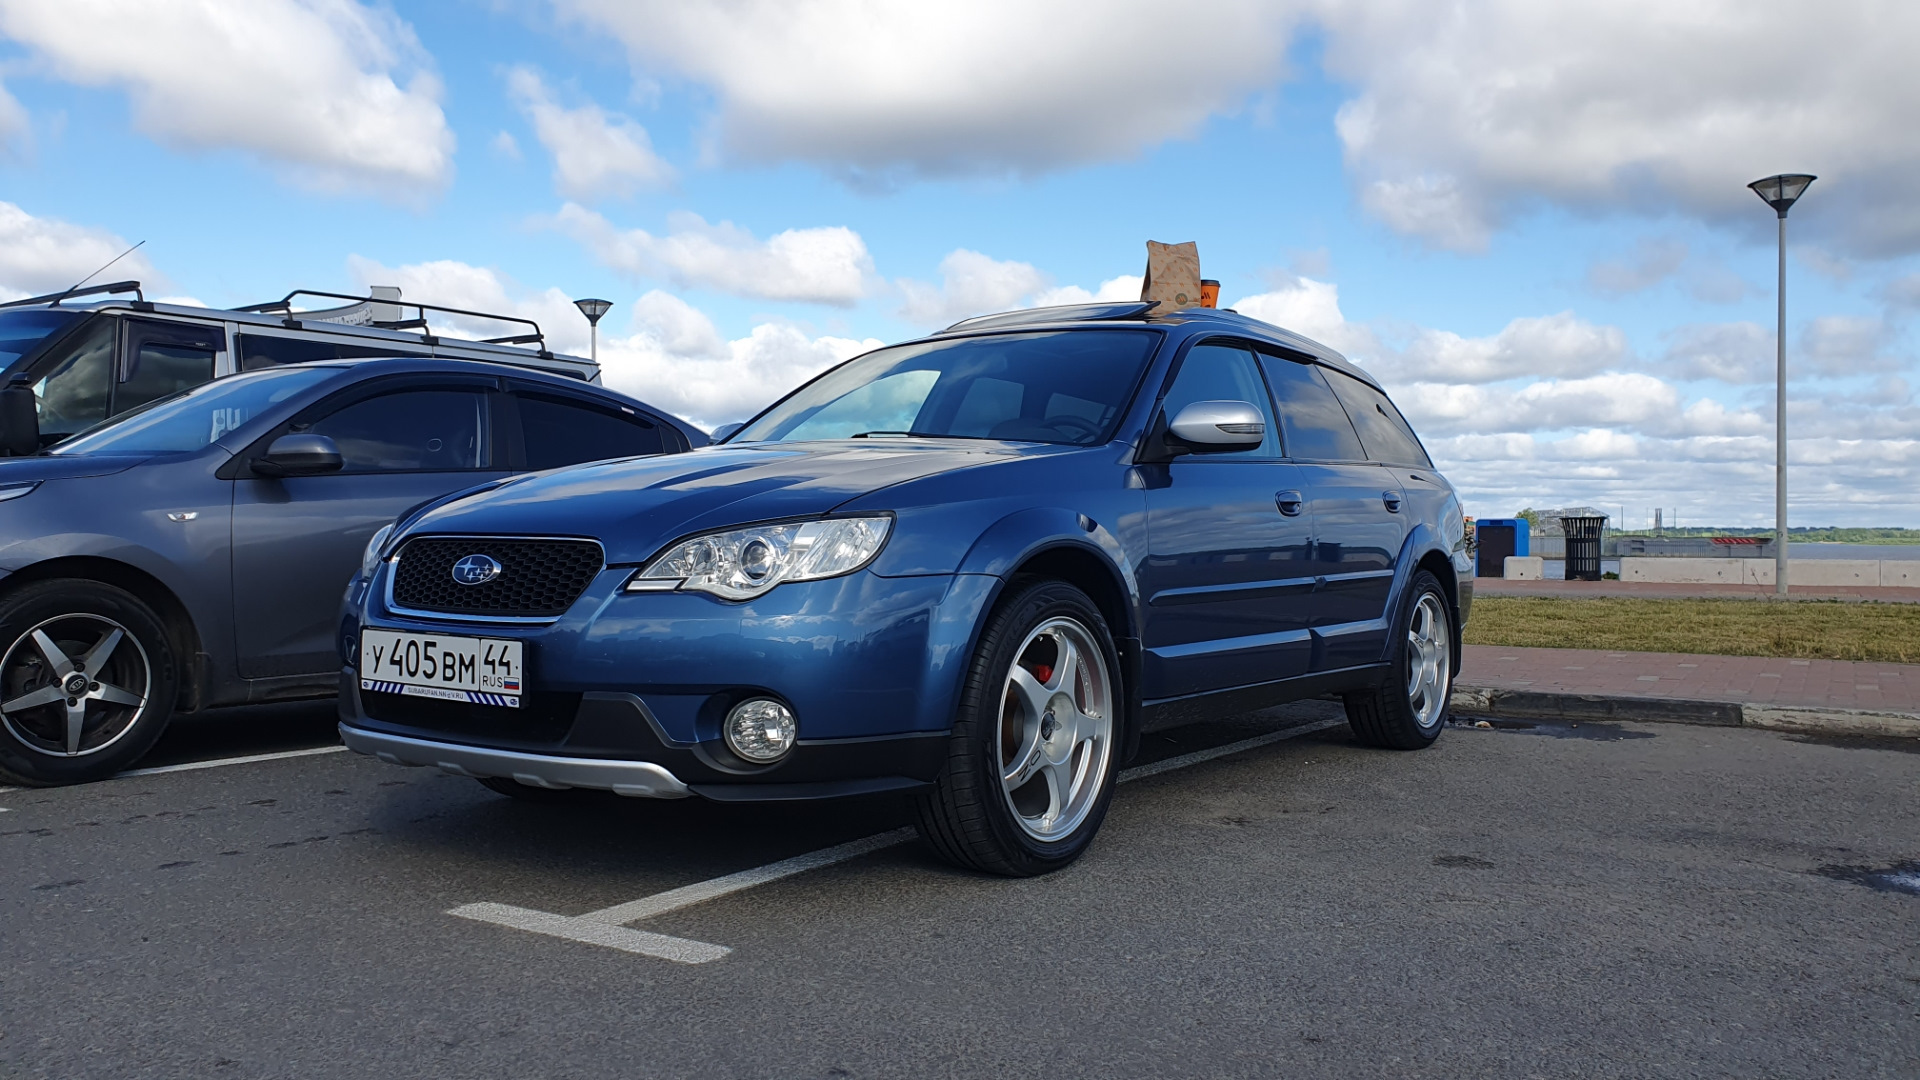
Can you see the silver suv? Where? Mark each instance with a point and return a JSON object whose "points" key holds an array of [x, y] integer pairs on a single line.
{"points": [[88, 360]]}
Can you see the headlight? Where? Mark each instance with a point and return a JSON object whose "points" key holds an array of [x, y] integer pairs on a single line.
{"points": [[371, 557], [740, 564]]}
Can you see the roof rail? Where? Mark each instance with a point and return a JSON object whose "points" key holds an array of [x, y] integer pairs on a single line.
{"points": [[1121, 309], [91, 290], [284, 306]]}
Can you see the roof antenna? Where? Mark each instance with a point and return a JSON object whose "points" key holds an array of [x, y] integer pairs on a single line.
{"points": [[110, 262]]}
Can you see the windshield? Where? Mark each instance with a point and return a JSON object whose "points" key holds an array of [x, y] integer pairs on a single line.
{"points": [[21, 330], [1055, 386], [194, 418]]}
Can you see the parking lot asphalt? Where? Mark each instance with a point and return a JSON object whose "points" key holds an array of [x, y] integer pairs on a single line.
{"points": [[1593, 900]]}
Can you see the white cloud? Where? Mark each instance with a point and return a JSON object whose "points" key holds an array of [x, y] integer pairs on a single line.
{"points": [[822, 265], [42, 255], [594, 152], [1311, 309], [478, 288], [505, 145], [1842, 345], [1468, 111], [13, 122], [676, 359], [1124, 287], [1652, 262], [1904, 292], [970, 284], [335, 93], [1739, 352], [935, 88], [1534, 346]]}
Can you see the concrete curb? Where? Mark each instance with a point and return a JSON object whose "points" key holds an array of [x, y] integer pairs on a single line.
{"points": [[1545, 705]]}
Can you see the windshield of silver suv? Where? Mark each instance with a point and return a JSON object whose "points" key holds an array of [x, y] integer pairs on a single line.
{"points": [[23, 329], [1053, 387], [192, 419]]}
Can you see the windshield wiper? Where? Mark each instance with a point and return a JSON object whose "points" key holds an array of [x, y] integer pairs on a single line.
{"points": [[927, 435]]}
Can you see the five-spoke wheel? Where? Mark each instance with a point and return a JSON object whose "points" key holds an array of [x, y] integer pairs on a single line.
{"points": [[1429, 659], [1407, 710], [1056, 728], [1030, 767], [86, 681], [73, 685]]}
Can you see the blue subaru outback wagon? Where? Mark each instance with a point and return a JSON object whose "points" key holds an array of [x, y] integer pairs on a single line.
{"points": [[973, 568]]}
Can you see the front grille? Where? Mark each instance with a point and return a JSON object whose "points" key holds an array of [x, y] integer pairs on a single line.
{"points": [[537, 579]]}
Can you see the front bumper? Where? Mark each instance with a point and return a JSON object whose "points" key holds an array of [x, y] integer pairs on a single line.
{"points": [[611, 742], [643, 779], [627, 692]]}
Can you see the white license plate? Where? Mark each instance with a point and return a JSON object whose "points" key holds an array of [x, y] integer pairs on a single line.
{"points": [[484, 671]]}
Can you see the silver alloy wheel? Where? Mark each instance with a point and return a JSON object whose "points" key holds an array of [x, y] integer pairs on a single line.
{"points": [[1056, 729], [1429, 660], [73, 685]]}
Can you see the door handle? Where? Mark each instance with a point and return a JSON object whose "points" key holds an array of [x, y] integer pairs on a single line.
{"points": [[1392, 499], [1290, 502]]}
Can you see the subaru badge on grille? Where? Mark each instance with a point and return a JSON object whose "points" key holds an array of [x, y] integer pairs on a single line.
{"points": [[476, 570]]}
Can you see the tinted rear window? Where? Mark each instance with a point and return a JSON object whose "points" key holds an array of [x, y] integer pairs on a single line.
{"points": [[267, 350], [1385, 434]]}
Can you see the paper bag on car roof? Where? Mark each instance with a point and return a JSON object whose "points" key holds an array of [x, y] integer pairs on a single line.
{"points": [[1173, 276]]}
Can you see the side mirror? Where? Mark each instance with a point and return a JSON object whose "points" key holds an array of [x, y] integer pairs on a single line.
{"points": [[299, 455], [1215, 426], [19, 420], [725, 432]]}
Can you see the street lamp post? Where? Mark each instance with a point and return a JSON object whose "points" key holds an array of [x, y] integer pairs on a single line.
{"points": [[593, 309], [1780, 192]]}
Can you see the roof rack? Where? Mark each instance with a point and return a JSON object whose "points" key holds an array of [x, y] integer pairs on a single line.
{"points": [[1123, 309], [91, 290], [284, 306]]}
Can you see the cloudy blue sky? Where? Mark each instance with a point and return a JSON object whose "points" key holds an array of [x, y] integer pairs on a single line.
{"points": [[1528, 218]]}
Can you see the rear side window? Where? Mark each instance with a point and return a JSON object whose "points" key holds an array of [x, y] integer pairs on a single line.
{"points": [[1315, 425], [560, 432], [410, 431], [1382, 431], [267, 350]]}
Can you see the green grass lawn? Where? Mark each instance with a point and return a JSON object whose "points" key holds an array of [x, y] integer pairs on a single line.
{"points": [[1803, 629]]}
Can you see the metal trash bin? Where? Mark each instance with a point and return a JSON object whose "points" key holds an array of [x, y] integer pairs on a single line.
{"points": [[1583, 546]]}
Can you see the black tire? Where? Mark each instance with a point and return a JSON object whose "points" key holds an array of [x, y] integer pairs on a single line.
{"points": [[1395, 715], [507, 785], [38, 744], [966, 816]]}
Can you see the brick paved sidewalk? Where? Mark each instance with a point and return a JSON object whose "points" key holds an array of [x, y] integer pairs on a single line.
{"points": [[1664, 590], [1746, 680]]}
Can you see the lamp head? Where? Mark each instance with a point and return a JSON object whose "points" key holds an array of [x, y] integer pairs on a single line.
{"points": [[593, 309], [1780, 191]]}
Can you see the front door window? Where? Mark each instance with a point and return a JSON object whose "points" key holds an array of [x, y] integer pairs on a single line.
{"points": [[75, 391], [165, 358]]}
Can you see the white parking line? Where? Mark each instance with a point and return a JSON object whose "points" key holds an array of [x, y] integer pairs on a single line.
{"points": [[190, 766], [606, 926]]}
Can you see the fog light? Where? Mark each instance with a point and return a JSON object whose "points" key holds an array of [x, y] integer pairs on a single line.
{"points": [[760, 730]]}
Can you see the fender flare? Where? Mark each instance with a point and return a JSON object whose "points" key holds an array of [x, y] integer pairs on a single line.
{"points": [[1422, 540]]}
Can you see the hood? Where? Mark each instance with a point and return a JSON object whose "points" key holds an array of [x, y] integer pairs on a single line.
{"points": [[636, 506], [62, 467]]}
